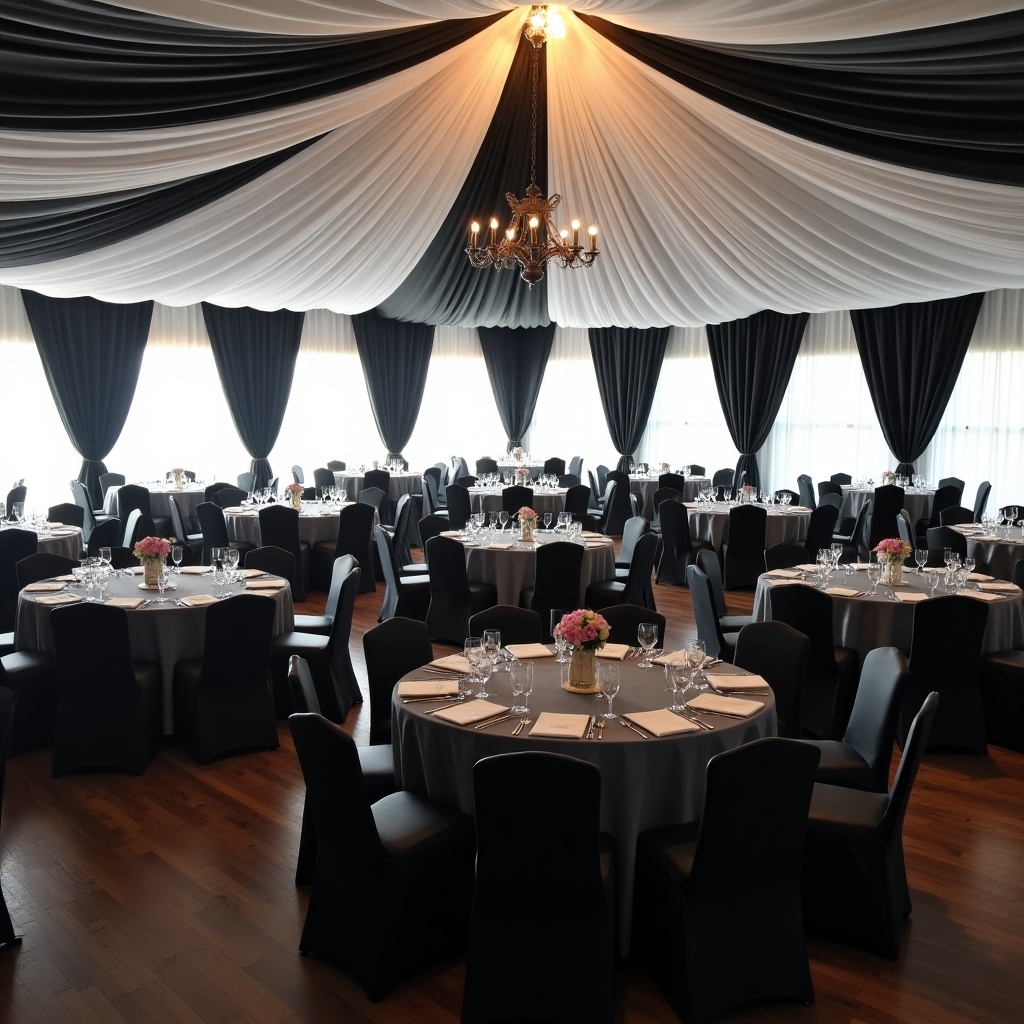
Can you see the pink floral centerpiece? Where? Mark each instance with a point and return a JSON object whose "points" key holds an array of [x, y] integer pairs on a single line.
{"points": [[152, 553], [586, 632], [178, 474], [528, 521], [294, 492], [892, 552]]}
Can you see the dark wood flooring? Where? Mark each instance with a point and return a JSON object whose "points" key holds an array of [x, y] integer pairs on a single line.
{"points": [[169, 898]]}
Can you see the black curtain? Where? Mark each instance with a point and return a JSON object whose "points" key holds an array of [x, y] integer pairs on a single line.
{"points": [[912, 356], [255, 352], [627, 361], [753, 360], [516, 358], [395, 357], [91, 353]]}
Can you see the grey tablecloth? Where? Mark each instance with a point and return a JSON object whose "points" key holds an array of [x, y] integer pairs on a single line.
{"points": [[162, 632], [645, 486], [400, 483], [865, 623], [489, 500], [65, 540], [918, 503], [711, 523], [187, 498], [314, 526], [644, 783], [993, 555]]}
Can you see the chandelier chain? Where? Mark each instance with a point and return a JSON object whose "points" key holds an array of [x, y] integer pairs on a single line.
{"points": [[533, 116]]}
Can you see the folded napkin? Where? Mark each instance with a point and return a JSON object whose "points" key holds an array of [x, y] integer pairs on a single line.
{"points": [[454, 534], [725, 705], [239, 510], [250, 574], [807, 567], [798, 508], [911, 596], [675, 658], [500, 545], [529, 651], [842, 591], [979, 577], [55, 526], [199, 600], [997, 585], [691, 504], [428, 688], [858, 565], [605, 543], [784, 574], [662, 722], [43, 588], [982, 595], [271, 584], [136, 570], [471, 711], [550, 724], [616, 652], [727, 682], [63, 532], [58, 599], [790, 583], [68, 578], [453, 663], [194, 570], [985, 537], [934, 568], [591, 533], [131, 603]]}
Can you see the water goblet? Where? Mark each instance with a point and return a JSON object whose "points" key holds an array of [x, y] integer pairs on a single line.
{"points": [[518, 707], [555, 618], [874, 575], [503, 518], [105, 556], [483, 673], [177, 554], [921, 557], [677, 676], [696, 653], [162, 579], [647, 637], [527, 677], [547, 520], [837, 555], [608, 682], [102, 578], [786, 498], [492, 644]]}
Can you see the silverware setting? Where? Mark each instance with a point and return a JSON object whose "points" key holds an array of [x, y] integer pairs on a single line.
{"points": [[627, 724], [591, 726], [691, 718], [497, 720], [523, 722], [450, 704], [706, 711], [600, 728], [634, 653], [425, 700]]}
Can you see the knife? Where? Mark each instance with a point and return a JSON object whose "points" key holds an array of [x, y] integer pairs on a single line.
{"points": [[629, 725], [505, 716], [590, 728]]}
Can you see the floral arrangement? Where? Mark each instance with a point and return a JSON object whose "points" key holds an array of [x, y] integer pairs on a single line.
{"points": [[889, 477], [518, 453], [294, 489], [527, 513], [584, 629], [151, 549], [892, 549], [177, 471]]}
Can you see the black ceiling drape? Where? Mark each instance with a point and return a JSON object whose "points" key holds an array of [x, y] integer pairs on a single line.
{"points": [[627, 361], [753, 360], [91, 353], [255, 353], [516, 358], [395, 357], [912, 356]]}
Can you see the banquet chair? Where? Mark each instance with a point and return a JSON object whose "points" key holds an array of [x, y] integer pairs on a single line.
{"points": [[779, 654], [829, 487], [16, 495], [1002, 696], [31, 676], [707, 559], [1018, 573], [831, 681], [192, 542], [66, 512], [246, 482], [596, 493], [355, 538], [211, 489], [743, 552], [516, 625], [377, 478], [108, 480], [43, 565], [557, 578], [323, 478], [632, 530], [577, 501], [841, 478], [620, 476], [674, 480], [906, 533], [223, 701], [377, 908], [636, 587], [404, 595], [571, 905], [107, 534], [945, 497], [851, 532], [466, 481], [678, 549], [132, 496], [616, 509], [954, 482], [391, 650], [885, 508], [784, 555], [279, 527], [602, 477], [431, 526], [554, 467], [273, 560], [298, 476], [453, 598], [723, 478], [980, 500], [624, 621], [568, 480], [708, 943], [836, 501], [90, 516], [806, 487], [945, 655], [229, 497], [328, 656], [576, 466], [794, 496], [336, 466], [139, 524], [430, 485], [661, 495], [486, 465], [215, 531], [405, 532], [108, 709], [854, 876], [955, 515], [14, 546], [939, 538], [321, 624], [376, 499], [8, 937], [516, 497], [459, 506], [861, 759], [820, 528]]}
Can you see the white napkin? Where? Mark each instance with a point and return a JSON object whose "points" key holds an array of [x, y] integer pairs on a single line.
{"points": [[195, 570], [199, 600], [428, 688], [734, 683], [798, 508], [615, 652], [726, 705], [454, 534], [55, 599], [790, 583], [131, 603], [675, 658], [550, 724], [807, 567], [238, 510], [453, 663], [500, 545], [985, 537], [860, 566], [273, 584], [842, 591], [911, 596], [784, 574], [471, 711], [982, 595], [529, 651], [998, 586], [43, 588], [979, 577], [662, 722]]}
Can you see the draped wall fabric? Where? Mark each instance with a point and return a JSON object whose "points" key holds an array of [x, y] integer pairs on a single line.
{"points": [[395, 358], [753, 361], [912, 356], [255, 352], [799, 155], [91, 353], [516, 359], [627, 362]]}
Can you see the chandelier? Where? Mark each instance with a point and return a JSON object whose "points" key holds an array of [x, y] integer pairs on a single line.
{"points": [[531, 238]]}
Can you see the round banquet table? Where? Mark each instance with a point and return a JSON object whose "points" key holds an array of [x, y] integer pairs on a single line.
{"points": [[512, 568], [165, 633], [865, 623], [993, 554], [187, 499], [710, 523], [645, 783], [61, 540], [916, 500], [487, 499], [400, 483], [645, 486], [316, 523]]}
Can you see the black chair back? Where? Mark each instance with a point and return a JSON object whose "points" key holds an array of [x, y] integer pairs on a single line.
{"points": [[323, 478], [632, 530], [378, 478], [279, 527], [677, 550], [559, 567], [107, 534], [355, 534], [624, 621], [450, 595], [271, 559], [938, 538], [43, 565], [14, 546], [744, 550], [514, 498], [211, 489], [885, 508], [708, 628], [641, 568], [517, 625], [108, 480], [459, 506], [952, 481], [554, 467], [229, 497], [674, 480], [707, 560], [132, 496], [617, 508], [7, 936], [391, 650], [785, 555], [213, 527], [68, 513], [955, 515], [336, 466], [431, 526], [577, 500], [829, 487], [246, 481], [841, 478], [431, 487], [723, 478], [820, 529], [778, 653], [981, 500], [806, 488]]}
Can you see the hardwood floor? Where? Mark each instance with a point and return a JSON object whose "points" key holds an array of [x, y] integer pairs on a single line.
{"points": [[169, 898]]}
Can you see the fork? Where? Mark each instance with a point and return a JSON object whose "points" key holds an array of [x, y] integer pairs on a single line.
{"points": [[523, 722]]}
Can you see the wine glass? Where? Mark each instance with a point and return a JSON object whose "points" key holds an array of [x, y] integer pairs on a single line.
{"points": [[177, 554], [554, 618], [677, 676], [102, 578], [482, 672], [503, 518], [921, 557], [492, 644], [527, 678], [105, 556], [471, 648], [647, 636], [837, 555], [162, 579], [608, 682], [696, 653], [547, 520], [874, 575], [936, 579]]}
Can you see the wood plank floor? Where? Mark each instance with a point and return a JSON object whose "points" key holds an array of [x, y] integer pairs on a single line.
{"points": [[169, 898]]}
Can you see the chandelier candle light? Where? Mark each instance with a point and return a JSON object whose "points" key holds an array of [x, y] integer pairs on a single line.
{"points": [[531, 239]]}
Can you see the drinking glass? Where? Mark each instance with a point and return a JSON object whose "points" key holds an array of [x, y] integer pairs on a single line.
{"points": [[874, 575], [921, 557], [105, 556], [522, 686], [554, 618], [503, 518], [678, 677], [162, 579], [837, 555], [102, 578], [547, 520], [647, 636], [177, 554], [696, 652], [19, 511], [471, 651], [492, 644], [608, 682], [483, 672], [934, 581], [527, 684]]}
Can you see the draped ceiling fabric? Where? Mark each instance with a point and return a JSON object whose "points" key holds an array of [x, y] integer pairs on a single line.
{"points": [[793, 155]]}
